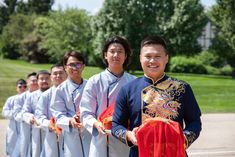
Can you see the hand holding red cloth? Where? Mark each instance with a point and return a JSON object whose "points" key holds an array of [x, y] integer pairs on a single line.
{"points": [[57, 129], [106, 117], [159, 137]]}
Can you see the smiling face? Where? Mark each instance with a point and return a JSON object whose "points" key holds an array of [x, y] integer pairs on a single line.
{"points": [[20, 88], [58, 75], [74, 69], [32, 83], [153, 60], [115, 56]]}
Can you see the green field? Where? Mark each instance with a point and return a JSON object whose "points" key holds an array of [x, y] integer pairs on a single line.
{"points": [[214, 93]]}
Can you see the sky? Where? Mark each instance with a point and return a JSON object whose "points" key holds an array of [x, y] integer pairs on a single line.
{"points": [[93, 6]]}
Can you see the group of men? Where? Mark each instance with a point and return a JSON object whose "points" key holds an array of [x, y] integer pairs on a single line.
{"points": [[63, 120], [29, 116]]}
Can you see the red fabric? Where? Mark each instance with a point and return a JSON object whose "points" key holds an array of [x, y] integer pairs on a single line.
{"points": [[159, 137], [106, 117], [57, 129]]}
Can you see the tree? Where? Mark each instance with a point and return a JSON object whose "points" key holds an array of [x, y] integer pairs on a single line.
{"points": [[31, 50], [18, 27], [180, 22], [5, 12], [41, 7], [223, 17], [64, 31]]}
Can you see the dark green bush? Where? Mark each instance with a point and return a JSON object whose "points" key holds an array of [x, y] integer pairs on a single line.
{"points": [[182, 64]]}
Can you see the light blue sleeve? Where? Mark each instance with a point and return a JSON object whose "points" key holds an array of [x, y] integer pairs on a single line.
{"points": [[7, 110], [88, 106], [41, 112], [27, 110], [17, 108], [59, 110]]}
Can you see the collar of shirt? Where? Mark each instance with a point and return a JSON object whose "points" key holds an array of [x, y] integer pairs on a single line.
{"points": [[150, 80]]}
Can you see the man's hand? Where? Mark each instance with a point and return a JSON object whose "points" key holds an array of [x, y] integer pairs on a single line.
{"points": [[33, 121], [130, 135], [98, 125], [51, 128], [75, 122]]}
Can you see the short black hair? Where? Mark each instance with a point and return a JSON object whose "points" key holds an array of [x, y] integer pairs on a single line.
{"points": [[21, 81], [154, 39], [57, 65], [75, 54], [123, 42], [42, 72], [31, 74]]}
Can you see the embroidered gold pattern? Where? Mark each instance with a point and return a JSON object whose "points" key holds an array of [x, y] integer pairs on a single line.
{"points": [[162, 100]]}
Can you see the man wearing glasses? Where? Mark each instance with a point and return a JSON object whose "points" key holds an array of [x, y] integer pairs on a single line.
{"points": [[13, 127], [52, 145], [65, 107]]}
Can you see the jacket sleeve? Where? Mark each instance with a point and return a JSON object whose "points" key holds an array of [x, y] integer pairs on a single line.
{"points": [[17, 108], [88, 107], [27, 114], [41, 112], [121, 117], [7, 110], [192, 116], [59, 109]]}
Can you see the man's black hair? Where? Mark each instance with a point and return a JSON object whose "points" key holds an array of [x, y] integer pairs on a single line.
{"points": [[21, 82], [149, 40], [31, 74], [42, 72]]}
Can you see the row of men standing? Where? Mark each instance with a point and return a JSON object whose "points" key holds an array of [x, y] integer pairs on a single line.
{"points": [[29, 114], [32, 110], [76, 105]]}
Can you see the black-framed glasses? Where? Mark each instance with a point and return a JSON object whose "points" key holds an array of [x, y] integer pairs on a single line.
{"points": [[75, 65]]}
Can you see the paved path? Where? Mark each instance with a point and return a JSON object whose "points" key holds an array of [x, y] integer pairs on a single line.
{"points": [[3, 127], [217, 138]]}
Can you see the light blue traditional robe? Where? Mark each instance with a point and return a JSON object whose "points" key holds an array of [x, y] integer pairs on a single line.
{"points": [[23, 141], [51, 147], [64, 105], [28, 111], [13, 129], [100, 92]]}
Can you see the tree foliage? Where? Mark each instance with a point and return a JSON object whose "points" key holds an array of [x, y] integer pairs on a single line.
{"points": [[5, 12], [41, 39], [223, 17], [18, 27], [40, 7], [180, 22], [14, 28], [64, 31]]}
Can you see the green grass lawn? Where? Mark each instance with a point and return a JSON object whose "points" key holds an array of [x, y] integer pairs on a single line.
{"points": [[213, 93]]}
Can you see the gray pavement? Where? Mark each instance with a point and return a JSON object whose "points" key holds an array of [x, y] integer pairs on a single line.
{"points": [[217, 138], [3, 128]]}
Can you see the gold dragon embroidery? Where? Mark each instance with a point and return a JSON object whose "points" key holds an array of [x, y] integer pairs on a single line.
{"points": [[162, 100]]}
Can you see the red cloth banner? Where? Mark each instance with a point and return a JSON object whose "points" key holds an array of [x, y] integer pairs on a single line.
{"points": [[159, 137]]}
